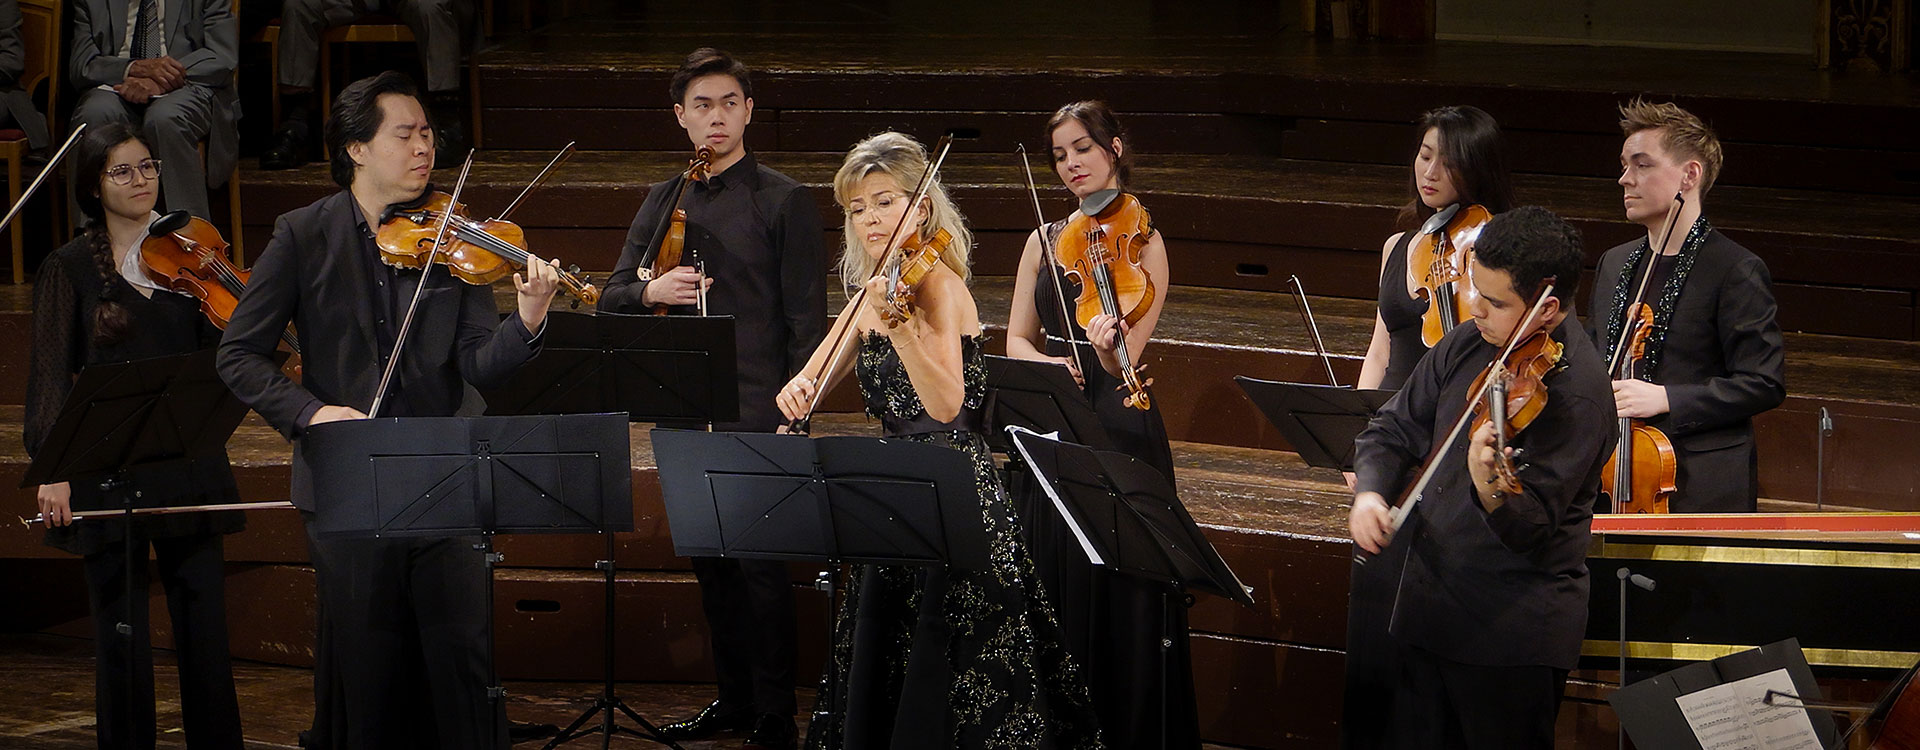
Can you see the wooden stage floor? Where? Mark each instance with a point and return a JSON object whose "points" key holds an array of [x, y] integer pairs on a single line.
{"points": [[46, 700]]}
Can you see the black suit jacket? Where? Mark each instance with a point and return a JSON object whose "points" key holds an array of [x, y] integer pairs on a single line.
{"points": [[1723, 362], [313, 275]]}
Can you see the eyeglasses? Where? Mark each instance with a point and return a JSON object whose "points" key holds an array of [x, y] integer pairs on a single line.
{"points": [[123, 174]]}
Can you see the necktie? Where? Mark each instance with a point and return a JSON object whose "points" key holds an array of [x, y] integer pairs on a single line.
{"points": [[146, 31]]}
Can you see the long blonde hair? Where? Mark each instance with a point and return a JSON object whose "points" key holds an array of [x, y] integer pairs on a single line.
{"points": [[905, 160]]}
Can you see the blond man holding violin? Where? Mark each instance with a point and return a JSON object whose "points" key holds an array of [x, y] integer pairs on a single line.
{"points": [[1713, 357], [93, 303], [381, 642], [1491, 601]]}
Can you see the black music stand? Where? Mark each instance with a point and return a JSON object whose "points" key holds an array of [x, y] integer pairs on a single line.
{"points": [[457, 476], [653, 367], [834, 500], [1319, 421], [1651, 715], [657, 368], [1040, 396], [1128, 518], [124, 417]]}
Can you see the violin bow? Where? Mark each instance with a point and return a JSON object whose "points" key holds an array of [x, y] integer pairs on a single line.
{"points": [[853, 306], [1051, 262], [1397, 515], [539, 179], [426, 270], [1618, 357], [44, 172], [1313, 329]]}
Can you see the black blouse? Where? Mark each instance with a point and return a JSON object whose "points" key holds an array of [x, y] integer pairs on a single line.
{"points": [[1400, 313], [66, 293]]}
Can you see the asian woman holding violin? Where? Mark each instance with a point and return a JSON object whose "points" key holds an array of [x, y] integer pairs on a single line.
{"points": [[923, 657], [1112, 621], [93, 304], [1461, 163], [1491, 602]]}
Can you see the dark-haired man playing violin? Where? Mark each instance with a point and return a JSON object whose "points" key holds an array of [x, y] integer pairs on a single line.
{"points": [[401, 659], [1492, 601], [753, 249]]}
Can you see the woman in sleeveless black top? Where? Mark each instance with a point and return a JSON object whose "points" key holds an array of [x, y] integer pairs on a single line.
{"points": [[1112, 621], [1459, 160], [923, 657], [92, 304]]}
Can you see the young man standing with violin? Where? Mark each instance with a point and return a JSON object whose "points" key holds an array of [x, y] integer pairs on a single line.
{"points": [[753, 249], [402, 655], [1714, 357], [1492, 598]]}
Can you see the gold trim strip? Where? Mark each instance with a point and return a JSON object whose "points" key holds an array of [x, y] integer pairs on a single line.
{"points": [[1757, 555], [1819, 657]]}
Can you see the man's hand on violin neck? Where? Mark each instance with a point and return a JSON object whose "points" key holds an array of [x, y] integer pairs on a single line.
{"points": [[536, 285], [1369, 522], [680, 286], [1639, 399]]}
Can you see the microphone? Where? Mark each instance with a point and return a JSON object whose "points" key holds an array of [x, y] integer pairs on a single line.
{"points": [[1627, 576]]}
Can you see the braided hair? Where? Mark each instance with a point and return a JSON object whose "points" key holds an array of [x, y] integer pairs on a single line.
{"points": [[112, 319]]}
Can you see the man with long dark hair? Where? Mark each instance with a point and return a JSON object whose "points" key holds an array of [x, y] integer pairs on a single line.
{"points": [[387, 606]]}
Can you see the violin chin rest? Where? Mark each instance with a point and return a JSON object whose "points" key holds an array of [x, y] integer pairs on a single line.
{"points": [[169, 222]]}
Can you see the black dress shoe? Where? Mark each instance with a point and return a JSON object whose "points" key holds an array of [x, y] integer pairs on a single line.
{"points": [[771, 732], [712, 720], [289, 149]]}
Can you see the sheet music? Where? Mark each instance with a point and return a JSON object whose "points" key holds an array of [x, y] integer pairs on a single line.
{"points": [[1735, 716]]}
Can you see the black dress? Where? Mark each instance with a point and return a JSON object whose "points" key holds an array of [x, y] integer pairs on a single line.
{"points": [[1112, 621], [1401, 315], [1373, 664], [931, 658], [187, 547]]}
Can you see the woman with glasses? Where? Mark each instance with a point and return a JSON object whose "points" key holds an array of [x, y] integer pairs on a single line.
{"points": [[93, 304]]}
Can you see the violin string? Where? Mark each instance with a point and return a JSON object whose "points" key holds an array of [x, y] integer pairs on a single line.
{"points": [[473, 232]]}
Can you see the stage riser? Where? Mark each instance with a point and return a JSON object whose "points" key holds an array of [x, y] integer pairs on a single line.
{"points": [[1769, 144], [1858, 286], [1867, 462]]}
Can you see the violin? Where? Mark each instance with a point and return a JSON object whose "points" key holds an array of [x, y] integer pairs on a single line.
{"points": [[918, 258], [669, 246], [1101, 251], [1509, 393], [477, 252], [923, 256], [1646, 481], [1641, 475], [1515, 396], [186, 254], [1437, 266]]}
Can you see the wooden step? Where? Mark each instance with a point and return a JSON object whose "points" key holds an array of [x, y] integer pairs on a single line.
{"points": [[1841, 265]]}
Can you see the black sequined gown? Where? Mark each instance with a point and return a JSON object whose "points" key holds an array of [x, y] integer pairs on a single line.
{"points": [[931, 658]]}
